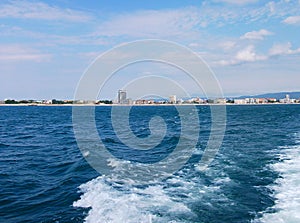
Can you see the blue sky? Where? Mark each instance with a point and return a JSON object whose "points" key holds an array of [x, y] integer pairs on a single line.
{"points": [[45, 46]]}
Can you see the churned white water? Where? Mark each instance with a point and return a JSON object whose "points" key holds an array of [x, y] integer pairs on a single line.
{"points": [[287, 188], [114, 201], [127, 204]]}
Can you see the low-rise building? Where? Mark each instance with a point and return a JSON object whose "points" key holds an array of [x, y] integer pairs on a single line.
{"points": [[261, 100], [250, 100], [142, 102], [220, 101], [240, 101], [173, 99]]}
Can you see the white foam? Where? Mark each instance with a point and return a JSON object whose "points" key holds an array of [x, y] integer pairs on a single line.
{"points": [[287, 188], [117, 163], [120, 200], [127, 204], [86, 153]]}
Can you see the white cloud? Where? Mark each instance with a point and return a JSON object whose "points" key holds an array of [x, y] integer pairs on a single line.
{"points": [[257, 35], [46, 39], [237, 2], [189, 22], [292, 20], [272, 7], [20, 53], [152, 24], [227, 45], [39, 10], [184, 24], [247, 54], [283, 49]]}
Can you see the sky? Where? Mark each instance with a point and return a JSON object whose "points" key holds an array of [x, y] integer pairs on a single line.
{"points": [[45, 46]]}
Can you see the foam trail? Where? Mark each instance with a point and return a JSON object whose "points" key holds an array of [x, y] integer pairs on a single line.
{"points": [[287, 188], [127, 204]]}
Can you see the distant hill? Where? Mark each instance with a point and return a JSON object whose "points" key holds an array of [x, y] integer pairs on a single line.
{"points": [[278, 95]]}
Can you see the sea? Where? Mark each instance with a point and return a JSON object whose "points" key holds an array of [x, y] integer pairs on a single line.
{"points": [[254, 177]]}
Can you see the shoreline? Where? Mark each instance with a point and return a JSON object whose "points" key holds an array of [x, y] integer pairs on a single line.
{"points": [[120, 105]]}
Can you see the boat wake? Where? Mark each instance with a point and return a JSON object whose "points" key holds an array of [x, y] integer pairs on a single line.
{"points": [[113, 202], [287, 187], [172, 200]]}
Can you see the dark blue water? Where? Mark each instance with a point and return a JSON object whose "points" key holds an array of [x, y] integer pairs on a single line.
{"points": [[44, 177]]}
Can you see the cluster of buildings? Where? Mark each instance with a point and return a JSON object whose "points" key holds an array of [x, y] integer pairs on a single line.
{"points": [[53, 102], [286, 100], [123, 100]]}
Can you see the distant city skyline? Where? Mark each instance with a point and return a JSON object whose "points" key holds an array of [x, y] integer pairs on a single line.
{"points": [[172, 100], [122, 98], [45, 46]]}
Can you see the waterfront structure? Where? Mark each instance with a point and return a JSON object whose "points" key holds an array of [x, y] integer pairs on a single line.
{"points": [[240, 101], [220, 101], [261, 100], [250, 100], [196, 100], [287, 100], [122, 97], [287, 97], [144, 102], [172, 99]]}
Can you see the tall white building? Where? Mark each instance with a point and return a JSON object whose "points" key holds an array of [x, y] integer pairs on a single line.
{"points": [[122, 97], [287, 98]]}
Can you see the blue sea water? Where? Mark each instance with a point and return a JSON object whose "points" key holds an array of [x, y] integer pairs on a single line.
{"points": [[255, 177]]}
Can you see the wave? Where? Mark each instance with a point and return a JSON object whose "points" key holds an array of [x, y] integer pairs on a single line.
{"points": [[287, 187]]}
